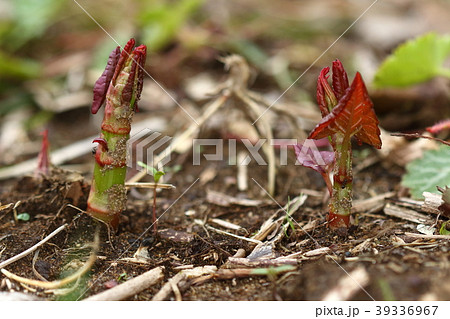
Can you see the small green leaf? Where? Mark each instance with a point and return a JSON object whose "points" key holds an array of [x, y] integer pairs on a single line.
{"points": [[443, 230], [122, 277], [157, 175], [23, 216], [415, 61], [154, 172], [424, 174]]}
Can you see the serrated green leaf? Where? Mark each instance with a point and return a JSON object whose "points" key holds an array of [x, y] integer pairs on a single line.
{"points": [[415, 61], [424, 174]]}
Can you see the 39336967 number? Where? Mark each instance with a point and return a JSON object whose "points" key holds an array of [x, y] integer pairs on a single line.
{"points": [[406, 310]]}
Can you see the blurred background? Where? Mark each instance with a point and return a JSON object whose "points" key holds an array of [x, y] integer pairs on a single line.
{"points": [[52, 52]]}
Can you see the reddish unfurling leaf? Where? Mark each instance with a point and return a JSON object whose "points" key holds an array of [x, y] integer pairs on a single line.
{"points": [[325, 95], [124, 55], [340, 79], [142, 50], [132, 90], [102, 84], [354, 115]]}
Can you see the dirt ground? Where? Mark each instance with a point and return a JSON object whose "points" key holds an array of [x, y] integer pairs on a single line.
{"points": [[397, 266], [207, 220]]}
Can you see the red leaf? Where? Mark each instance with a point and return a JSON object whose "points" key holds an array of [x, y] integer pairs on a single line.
{"points": [[325, 95], [102, 84], [354, 115], [124, 56], [340, 79], [43, 157], [136, 78]]}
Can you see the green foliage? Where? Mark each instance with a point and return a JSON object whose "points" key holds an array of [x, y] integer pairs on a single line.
{"points": [[29, 19], [415, 61], [123, 277], [424, 174], [24, 217], [14, 67], [443, 230], [161, 20], [155, 173]]}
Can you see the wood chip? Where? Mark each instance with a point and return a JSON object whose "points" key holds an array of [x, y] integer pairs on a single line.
{"points": [[261, 263], [317, 252], [372, 204], [176, 236], [181, 279], [202, 223], [224, 200], [414, 235], [225, 224], [407, 214], [149, 185], [432, 203]]}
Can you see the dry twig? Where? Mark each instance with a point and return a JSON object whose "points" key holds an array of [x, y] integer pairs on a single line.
{"points": [[33, 248], [182, 279], [130, 287]]}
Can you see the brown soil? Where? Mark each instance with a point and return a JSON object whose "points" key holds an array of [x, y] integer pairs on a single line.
{"points": [[413, 271]]}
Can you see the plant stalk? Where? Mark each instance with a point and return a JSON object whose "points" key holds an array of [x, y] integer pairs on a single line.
{"points": [[341, 199], [120, 86]]}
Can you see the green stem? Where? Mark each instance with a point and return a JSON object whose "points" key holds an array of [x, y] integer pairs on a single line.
{"points": [[341, 198]]}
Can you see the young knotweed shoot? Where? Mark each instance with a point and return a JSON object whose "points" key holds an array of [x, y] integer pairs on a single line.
{"points": [[347, 111], [156, 177], [120, 86], [44, 163]]}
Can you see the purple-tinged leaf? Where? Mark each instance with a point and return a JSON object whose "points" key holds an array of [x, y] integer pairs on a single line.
{"points": [[308, 155], [102, 84]]}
